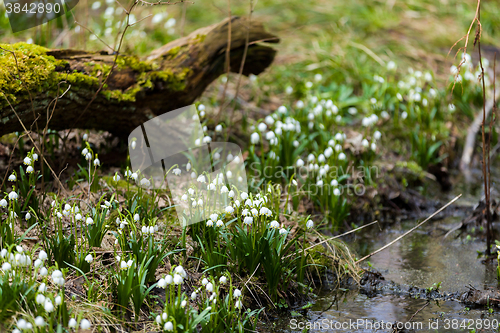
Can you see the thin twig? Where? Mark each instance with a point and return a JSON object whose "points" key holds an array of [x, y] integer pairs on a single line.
{"points": [[334, 237], [409, 231]]}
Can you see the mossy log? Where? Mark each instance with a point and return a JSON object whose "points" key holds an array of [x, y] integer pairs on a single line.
{"points": [[171, 77]]}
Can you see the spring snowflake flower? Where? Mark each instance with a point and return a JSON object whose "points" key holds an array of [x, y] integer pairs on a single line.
{"points": [[210, 223], [13, 195], [177, 279], [137, 217], [58, 300], [3, 203], [6, 267], [42, 288], [223, 280], [201, 179], [236, 293], [391, 65], [254, 138], [42, 255], [262, 127], [365, 143], [40, 299], [204, 281], [168, 326], [57, 277], [274, 225], [88, 156], [231, 194], [145, 182], [342, 156], [72, 323], [224, 189], [219, 223], [404, 115], [27, 161], [162, 283], [229, 209], [89, 258], [210, 287], [177, 171], [248, 220], [12, 178], [377, 135], [48, 306], [89, 221], [218, 128], [78, 217], [194, 295], [97, 162], [134, 176], [336, 192], [85, 324], [243, 195], [309, 224], [43, 271], [116, 177], [283, 231], [451, 107], [169, 279]]}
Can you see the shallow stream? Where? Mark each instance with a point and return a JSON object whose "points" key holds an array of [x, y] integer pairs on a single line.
{"points": [[421, 259]]}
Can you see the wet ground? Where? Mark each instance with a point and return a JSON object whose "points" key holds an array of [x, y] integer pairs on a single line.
{"points": [[421, 259]]}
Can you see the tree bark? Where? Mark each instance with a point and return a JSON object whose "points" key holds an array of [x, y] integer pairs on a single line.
{"points": [[171, 77]]}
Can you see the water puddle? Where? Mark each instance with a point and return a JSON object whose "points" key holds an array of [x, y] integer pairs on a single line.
{"points": [[421, 259]]}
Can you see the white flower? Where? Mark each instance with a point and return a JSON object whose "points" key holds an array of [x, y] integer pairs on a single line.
{"points": [[451, 107], [89, 258], [134, 176], [85, 324], [194, 295], [231, 195], [283, 231], [40, 299], [404, 114], [238, 304], [207, 139], [254, 138], [162, 283], [318, 77], [78, 216], [58, 300], [274, 225], [3, 203], [219, 223], [336, 192], [97, 162], [229, 209], [72, 323], [177, 279], [12, 178], [236, 293], [210, 223], [262, 127], [201, 179], [48, 306], [89, 221], [377, 135], [28, 216], [176, 171], [210, 287], [6, 267], [27, 161], [391, 65], [223, 280], [168, 326], [35, 156], [13, 195], [43, 271], [309, 224], [88, 157], [169, 279], [243, 195], [22, 324], [248, 220], [137, 217], [218, 128], [365, 143]]}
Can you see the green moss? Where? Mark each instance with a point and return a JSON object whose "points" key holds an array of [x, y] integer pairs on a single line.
{"points": [[134, 63], [200, 38], [319, 258], [38, 74], [34, 68], [411, 170]]}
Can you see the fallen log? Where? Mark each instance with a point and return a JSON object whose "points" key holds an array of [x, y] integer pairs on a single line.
{"points": [[61, 83]]}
